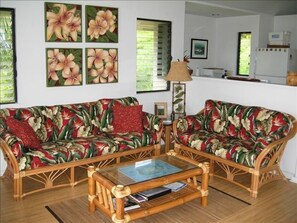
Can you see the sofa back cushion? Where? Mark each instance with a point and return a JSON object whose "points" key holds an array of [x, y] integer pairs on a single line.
{"points": [[245, 122], [223, 117], [75, 120], [34, 116]]}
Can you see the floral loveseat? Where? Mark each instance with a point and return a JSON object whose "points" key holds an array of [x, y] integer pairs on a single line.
{"points": [[47, 143], [237, 140]]}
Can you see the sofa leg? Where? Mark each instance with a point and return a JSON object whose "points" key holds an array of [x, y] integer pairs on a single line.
{"points": [[17, 187], [211, 170], [254, 184], [72, 176]]}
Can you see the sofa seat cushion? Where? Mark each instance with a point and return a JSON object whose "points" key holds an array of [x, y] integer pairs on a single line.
{"points": [[133, 140], [62, 151], [68, 150], [237, 150]]}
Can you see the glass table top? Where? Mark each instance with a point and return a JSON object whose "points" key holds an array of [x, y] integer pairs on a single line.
{"points": [[140, 171]]}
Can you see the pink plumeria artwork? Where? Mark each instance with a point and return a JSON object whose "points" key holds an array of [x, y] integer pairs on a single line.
{"points": [[102, 24], [102, 65], [63, 22], [64, 67]]}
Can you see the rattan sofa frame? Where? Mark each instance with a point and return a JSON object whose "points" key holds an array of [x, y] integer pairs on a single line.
{"points": [[232, 170], [65, 174]]}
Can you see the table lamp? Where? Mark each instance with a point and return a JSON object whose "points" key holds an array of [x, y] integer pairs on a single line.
{"points": [[178, 72]]}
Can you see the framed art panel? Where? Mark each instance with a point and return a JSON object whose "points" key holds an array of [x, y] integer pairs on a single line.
{"points": [[161, 109], [64, 67], [102, 24], [62, 22], [102, 65], [179, 98], [199, 48]]}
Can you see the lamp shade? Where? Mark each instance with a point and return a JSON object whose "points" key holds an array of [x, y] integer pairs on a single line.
{"points": [[178, 72]]}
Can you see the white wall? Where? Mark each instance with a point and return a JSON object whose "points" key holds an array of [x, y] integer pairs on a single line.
{"points": [[287, 23], [31, 63], [265, 26], [227, 39], [200, 27]]}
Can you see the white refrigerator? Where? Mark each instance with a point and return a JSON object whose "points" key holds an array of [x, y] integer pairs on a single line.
{"points": [[273, 64]]}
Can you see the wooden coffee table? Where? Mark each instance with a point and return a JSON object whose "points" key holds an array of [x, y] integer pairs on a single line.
{"points": [[112, 182]]}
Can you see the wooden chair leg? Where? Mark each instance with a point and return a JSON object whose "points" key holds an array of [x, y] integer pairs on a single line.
{"points": [[254, 184]]}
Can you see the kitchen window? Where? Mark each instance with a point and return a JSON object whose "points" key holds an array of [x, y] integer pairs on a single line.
{"points": [[244, 53]]}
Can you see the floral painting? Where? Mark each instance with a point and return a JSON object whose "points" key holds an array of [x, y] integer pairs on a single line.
{"points": [[102, 24], [179, 100], [64, 67], [102, 65], [63, 22]]}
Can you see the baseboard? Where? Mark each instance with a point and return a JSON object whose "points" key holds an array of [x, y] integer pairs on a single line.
{"points": [[294, 180], [290, 176]]}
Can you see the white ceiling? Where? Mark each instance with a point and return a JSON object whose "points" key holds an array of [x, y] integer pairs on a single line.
{"points": [[240, 7]]}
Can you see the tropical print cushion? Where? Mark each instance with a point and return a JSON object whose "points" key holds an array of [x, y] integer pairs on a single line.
{"points": [[68, 150], [233, 131], [237, 150], [62, 151], [133, 140], [245, 122], [75, 120]]}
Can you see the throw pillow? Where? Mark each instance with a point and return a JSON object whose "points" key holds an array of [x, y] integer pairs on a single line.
{"points": [[127, 119], [24, 132]]}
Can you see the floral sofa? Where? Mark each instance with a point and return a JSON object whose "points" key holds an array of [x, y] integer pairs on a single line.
{"points": [[48, 144], [237, 140]]}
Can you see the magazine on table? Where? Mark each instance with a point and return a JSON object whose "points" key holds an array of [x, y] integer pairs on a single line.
{"points": [[155, 192], [138, 197], [128, 205], [176, 186]]}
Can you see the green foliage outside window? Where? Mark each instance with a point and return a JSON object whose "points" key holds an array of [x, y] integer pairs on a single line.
{"points": [[244, 53], [153, 55], [7, 54]]}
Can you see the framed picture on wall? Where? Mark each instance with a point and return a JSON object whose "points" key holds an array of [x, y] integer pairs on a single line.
{"points": [[102, 65], [102, 24], [62, 22], [179, 98], [161, 109], [64, 67], [199, 48]]}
